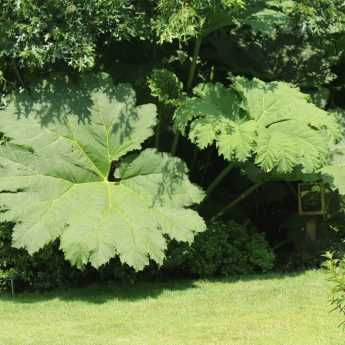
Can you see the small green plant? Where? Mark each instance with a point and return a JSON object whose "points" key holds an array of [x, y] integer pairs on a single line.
{"points": [[336, 272], [165, 86]]}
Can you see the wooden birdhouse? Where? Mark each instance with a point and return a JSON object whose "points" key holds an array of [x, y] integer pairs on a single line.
{"points": [[311, 199], [311, 203]]}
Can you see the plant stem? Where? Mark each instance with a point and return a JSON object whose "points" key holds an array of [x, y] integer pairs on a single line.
{"points": [[233, 203], [17, 73], [190, 80], [12, 287], [281, 244], [207, 164], [218, 180], [157, 138], [175, 143], [196, 53], [194, 160], [158, 132]]}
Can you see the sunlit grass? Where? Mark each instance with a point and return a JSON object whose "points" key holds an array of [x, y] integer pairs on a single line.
{"points": [[258, 310]]}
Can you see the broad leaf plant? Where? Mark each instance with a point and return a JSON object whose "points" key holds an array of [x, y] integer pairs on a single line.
{"points": [[72, 168], [273, 123]]}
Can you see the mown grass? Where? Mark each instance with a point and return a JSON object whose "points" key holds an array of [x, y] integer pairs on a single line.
{"points": [[258, 310]]}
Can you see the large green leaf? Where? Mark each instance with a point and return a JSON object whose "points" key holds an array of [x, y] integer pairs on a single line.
{"points": [[272, 122], [65, 173], [269, 17]]}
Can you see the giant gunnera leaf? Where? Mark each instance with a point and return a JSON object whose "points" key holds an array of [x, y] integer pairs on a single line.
{"points": [[67, 172], [273, 124]]}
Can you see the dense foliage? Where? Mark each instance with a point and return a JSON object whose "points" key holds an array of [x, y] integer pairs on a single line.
{"points": [[38, 33], [223, 250], [250, 94], [45, 270]]}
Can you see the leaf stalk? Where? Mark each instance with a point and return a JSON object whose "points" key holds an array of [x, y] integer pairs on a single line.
{"points": [[17, 74], [189, 86], [233, 203], [218, 180]]}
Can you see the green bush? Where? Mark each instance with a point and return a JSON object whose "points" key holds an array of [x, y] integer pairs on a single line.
{"points": [[336, 272], [47, 269], [224, 249], [44, 270]]}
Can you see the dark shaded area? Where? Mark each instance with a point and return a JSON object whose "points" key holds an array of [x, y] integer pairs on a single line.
{"points": [[111, 174], [99, 294]]}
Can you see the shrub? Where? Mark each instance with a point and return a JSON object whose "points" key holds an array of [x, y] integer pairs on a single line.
{"points": [[48, 269], [44, 270], [224, 249]]}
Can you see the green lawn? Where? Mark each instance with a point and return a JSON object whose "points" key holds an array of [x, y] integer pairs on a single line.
{"points": [[264, 310]]}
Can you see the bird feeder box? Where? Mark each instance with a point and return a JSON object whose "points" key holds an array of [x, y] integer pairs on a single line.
{"points": [[311, 199]]}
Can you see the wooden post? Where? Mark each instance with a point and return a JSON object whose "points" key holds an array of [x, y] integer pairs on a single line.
{"points": [[12, 287], [311, 228]]}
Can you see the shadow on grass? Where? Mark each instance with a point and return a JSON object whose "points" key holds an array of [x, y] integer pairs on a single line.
{"points": [[102, 293], [258, 277]]}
